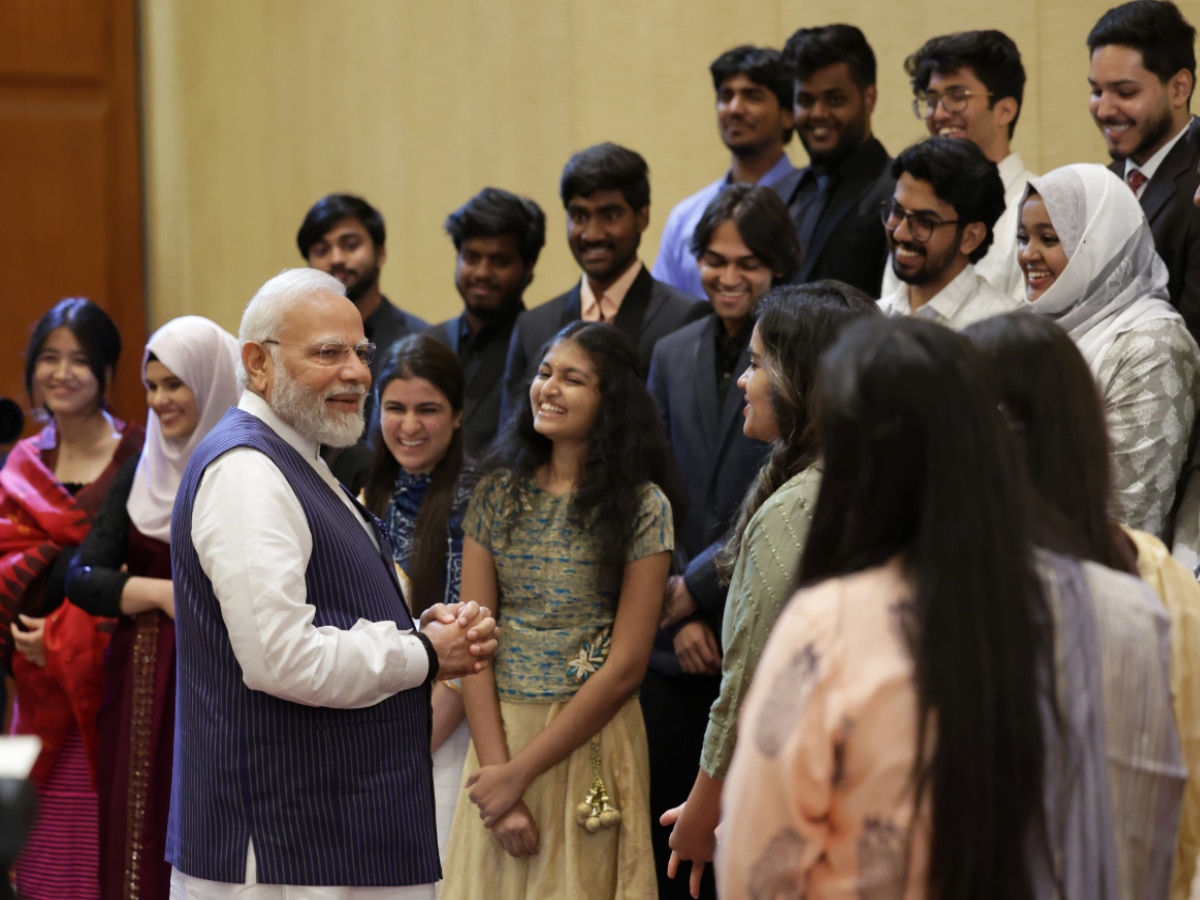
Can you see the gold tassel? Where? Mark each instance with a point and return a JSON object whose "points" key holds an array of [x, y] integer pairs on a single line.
{"points": [[596, 811]]}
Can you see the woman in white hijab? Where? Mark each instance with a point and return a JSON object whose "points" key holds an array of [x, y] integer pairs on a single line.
{"points": [[123, 570], [1089, 263]]}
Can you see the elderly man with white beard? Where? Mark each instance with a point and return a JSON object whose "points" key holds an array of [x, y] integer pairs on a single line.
{"points": [[302, 731]]}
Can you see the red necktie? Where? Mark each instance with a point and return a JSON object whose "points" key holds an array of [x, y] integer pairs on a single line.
{"points": [[1136, 180]]}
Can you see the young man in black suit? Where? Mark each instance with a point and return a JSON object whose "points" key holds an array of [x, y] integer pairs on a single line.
{"points": [[742, 245], [1142, 74], [605, 190], [497, 238], [835, 204]]}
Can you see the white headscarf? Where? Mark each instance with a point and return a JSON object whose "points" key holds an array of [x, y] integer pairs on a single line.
{"points": [[1114, 279], [204, 356]]}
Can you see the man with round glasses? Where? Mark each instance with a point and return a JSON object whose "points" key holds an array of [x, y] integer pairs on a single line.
{"points": [[939, 222], [969, 86]]}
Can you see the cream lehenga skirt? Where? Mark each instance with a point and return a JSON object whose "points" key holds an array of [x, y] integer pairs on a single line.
{"points": [[613, 862]]}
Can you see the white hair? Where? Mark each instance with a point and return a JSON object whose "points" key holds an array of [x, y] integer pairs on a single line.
{"points": [[267, 310]]}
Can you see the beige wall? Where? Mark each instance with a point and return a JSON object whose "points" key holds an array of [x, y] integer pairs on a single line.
{"points": [[255, 108]]}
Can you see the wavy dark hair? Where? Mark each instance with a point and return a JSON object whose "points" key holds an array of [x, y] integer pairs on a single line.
{"points": [[918, 463], [626, 448], [796, 323], [762, 221], [991, 55], [330, 210], [421, 356], [94, 330], [810, 49], [494, 213], [1053, 407], [1154, 28]]}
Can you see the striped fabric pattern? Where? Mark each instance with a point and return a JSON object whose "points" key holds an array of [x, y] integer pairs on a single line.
{"points": [[328, 796], [65, 856], [1146, 772]]}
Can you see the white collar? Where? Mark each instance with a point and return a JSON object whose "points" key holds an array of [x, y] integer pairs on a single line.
{"points": [[1150, 166], [259, 408]]}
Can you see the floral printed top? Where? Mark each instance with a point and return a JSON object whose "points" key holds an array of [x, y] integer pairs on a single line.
{"points": [[553, 614]]}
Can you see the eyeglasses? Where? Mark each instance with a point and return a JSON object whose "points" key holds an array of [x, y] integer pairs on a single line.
{"points": [[333, 353], [920, 225], [955, 100]]}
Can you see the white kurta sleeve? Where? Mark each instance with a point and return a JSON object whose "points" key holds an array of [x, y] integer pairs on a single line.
{"points": [[254, 544]]}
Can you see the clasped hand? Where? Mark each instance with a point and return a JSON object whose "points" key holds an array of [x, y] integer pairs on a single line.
{"points": [[464, 635], [497, 791]]}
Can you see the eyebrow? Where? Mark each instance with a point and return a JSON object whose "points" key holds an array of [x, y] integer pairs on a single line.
{"points": [[932, 213], [742, 258], [1117, 83], [569, 370]]}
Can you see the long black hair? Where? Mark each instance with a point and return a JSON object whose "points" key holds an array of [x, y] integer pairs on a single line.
{"points": [[795, 324], [1053, 406], [421, 356], [918, 464], [627, 448]]}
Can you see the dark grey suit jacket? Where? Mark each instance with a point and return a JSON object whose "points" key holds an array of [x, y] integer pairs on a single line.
{"points": [[715, 461], [649, 311], [1175, 222]]}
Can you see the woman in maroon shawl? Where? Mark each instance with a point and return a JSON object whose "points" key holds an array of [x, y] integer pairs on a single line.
{"points": [[51, 486], [123, 570]]}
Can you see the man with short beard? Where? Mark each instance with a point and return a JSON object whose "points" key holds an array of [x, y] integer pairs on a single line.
{"points": [[303, 724], [498, 237], [345, 236], [754, 118], [1142, 74], [969, 86], [939, 223], [605, 191], [835, 203]]}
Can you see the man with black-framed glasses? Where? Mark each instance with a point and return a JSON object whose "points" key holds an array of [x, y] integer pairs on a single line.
{"points": [[939, 222], [969, 86]]}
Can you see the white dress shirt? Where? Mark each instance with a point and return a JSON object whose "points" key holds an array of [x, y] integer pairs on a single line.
{"points": [[999, 267], [966, 299], [254, 544]]}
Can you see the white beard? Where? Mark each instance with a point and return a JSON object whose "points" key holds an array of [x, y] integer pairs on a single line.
{"points": [[308, 414]]}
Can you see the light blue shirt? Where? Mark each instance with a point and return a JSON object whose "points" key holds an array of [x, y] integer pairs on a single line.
{"points": [[676, 265]]}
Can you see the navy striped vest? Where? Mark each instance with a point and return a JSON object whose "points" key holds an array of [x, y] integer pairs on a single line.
{"points": [[328, 796]]}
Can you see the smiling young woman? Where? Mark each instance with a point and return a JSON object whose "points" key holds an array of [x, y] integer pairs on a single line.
{"points": [[795, 325], [123, 571], [419, 487], [1093, 268], [569, 535], [51, 487]]}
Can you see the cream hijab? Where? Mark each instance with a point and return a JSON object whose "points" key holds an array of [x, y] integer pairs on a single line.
{"points": [[1114, 280], [204, 357]]}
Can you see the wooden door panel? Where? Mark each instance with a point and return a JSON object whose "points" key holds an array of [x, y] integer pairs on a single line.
{"points": [[56, 39], [70, 181]]}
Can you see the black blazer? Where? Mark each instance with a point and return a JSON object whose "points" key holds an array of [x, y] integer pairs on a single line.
{"points": [[848, 241], [1175, 222], [649, 311], [715, 461]]}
